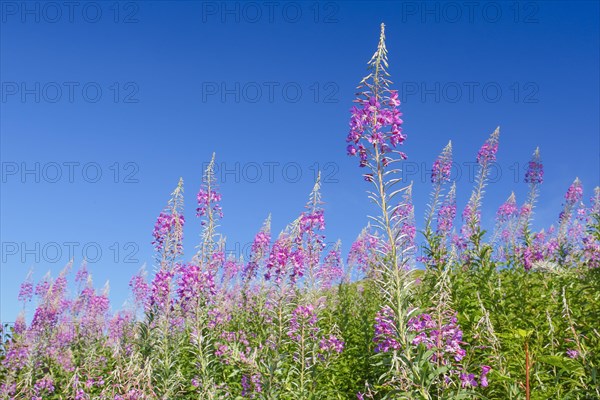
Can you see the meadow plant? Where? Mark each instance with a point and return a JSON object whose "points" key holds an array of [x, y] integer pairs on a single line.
{"points": [[511, 314]]}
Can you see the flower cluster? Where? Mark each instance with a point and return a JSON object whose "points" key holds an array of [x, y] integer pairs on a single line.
{"points": [[312, 221], [44, 385], [385, 331], [303, 323], [26, 291], [259, 248], [282, 255], [487, 152], [251, 385], [468, 380], [375, 126], [161, 289], [330, 269], [447, 213], [445, 339], [574, 193], [261, 242], [591, 251], [140, 288], [405, 213], [471, 217], [535, 169], [331, 344], [507, 210], [442, 166], [193, 283], [165, 224], [362, 251], [209, 199]]}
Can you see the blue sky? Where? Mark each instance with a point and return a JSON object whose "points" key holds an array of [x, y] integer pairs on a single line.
{"points": [[105, 105]]}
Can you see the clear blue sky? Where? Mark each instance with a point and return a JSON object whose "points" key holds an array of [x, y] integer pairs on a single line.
{"points": [[143, 93]]}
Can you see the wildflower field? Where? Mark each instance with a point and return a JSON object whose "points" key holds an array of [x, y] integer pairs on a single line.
{"points": [[511, 313]]}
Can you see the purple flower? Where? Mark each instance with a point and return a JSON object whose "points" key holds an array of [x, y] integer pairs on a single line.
{"points": [[447, 338], [303, 321], [297, 261], [82, 274], [385, 331], [251, 385], [230, 269], [311, 222], [362, 251], [525, 211], [447, 213], [208, 199], [194, 285], [278, 259], [595, 202], [161, 289], [139, 288], [331, 344], [487, 152], [20, 325], [375, 124], [535, 169], [485, 369], [44, 384], [261, 241], [245, 386], [331, 268], [572, 353], [574, 193], [117, 325], [442, 166], [507, 210], [26, 291], [16, 356], [256, 381], [42, 288], [467, 380], [471, 217], [591, 251], [167, 225]]}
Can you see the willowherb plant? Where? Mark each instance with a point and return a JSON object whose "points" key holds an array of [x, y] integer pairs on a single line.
{"points": [[508, 315]]}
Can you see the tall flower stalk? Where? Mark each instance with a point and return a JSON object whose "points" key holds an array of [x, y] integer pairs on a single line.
{"points": [[534, 177], [440, 175], [486, 156], [209, 211], [375, 134], [446, 211], [168, 230]]}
